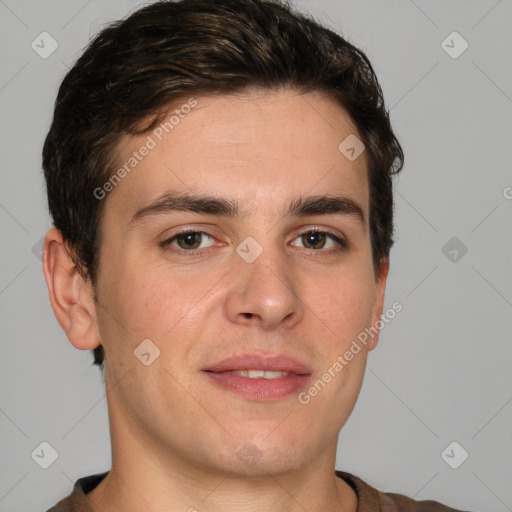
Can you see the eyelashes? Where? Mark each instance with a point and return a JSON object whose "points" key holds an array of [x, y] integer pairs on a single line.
{"points": [[189, 242], [187, 235]]}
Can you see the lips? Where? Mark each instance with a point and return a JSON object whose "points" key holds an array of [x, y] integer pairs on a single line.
{"points": [[259, 377], [276, 363]]}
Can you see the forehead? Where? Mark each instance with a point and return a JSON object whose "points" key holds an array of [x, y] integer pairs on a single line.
{"points": [[260, 148]]}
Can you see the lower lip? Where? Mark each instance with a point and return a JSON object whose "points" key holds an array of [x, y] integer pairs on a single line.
{"points": [[260, 388]]}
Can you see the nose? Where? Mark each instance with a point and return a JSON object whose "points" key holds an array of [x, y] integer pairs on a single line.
{"points": [[265, 293]]}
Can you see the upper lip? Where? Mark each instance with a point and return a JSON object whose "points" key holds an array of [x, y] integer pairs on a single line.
{"points": [[253, 361]]}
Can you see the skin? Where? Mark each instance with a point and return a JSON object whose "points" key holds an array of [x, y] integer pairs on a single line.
{"points": [[175, 435]]}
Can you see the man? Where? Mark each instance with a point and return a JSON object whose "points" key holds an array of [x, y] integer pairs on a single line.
{"points": [[219, 175]]}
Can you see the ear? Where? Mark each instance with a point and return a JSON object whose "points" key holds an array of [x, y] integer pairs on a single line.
{"points": [[380, 288], [71, 296]]}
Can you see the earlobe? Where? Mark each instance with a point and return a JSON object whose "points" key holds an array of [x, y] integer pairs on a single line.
{"points": [[379, 302], [71, 296]]}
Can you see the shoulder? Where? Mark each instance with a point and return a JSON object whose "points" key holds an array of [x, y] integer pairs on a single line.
{"points": [[374, 500], [76, 501]]}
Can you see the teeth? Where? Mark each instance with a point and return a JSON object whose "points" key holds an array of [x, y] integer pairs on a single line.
{"points": [[258, 374]]}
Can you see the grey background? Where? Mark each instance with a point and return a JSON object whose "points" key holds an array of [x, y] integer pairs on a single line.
{"points": [[441, 372]]}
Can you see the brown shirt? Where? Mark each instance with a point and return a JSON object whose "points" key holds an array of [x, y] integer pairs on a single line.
{"points": [[370, 499]]}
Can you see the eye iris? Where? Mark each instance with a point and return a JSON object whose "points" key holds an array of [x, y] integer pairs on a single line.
{"points": [[192, 238], [312, 238]]}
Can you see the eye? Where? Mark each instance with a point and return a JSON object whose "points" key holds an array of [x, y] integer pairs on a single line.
{"points": [[187, 241], [316, 240], [190, 243]]}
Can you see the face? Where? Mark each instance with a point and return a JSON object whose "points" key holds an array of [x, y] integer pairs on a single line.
{"points": [[265, 281]]}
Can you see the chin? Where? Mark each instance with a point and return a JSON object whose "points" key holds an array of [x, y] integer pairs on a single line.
{"points": [[261, 458]]}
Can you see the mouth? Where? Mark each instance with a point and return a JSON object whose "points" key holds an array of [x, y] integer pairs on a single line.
{"points": [[259, 374], [259, 377]]}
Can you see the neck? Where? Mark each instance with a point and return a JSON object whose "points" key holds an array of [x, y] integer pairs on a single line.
{"points": [[138, 482], [153, 474]]}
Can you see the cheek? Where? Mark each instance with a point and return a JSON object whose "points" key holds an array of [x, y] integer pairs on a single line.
{"points": [[344, 303], [156, 301]]}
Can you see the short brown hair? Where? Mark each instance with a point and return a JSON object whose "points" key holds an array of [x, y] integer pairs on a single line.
{"points": [[135, 68]]}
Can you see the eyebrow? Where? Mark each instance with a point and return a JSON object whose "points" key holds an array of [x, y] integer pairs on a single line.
{"points": [[301, 206]]}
